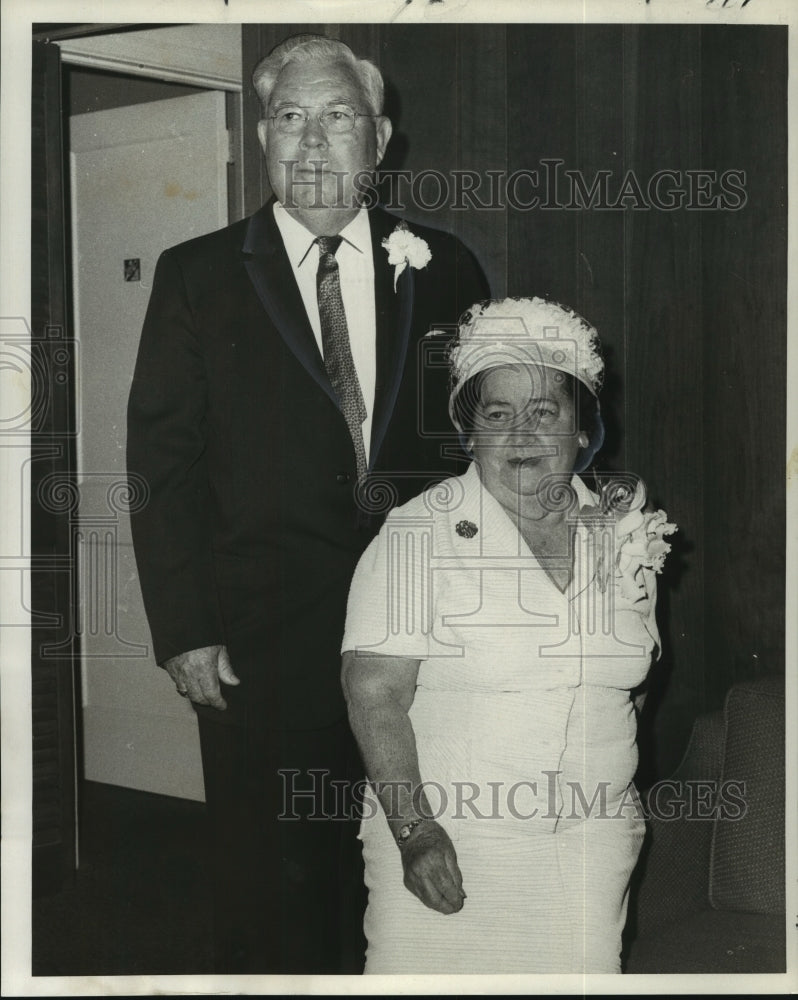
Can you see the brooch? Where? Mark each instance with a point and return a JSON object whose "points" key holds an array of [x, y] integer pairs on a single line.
{"points": [[466, 529]]}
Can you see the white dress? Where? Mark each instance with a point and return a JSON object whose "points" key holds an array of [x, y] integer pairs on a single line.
{"points": [[525, 732]]}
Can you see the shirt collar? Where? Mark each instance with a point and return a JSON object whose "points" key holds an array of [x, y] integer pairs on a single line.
{"points": [[299, 241]]}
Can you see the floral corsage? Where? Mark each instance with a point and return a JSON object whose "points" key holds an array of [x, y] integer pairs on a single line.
{"points": [[640, 546], [632, 551], [404, 248]]}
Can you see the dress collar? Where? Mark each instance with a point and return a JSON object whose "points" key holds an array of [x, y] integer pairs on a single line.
{"points": [[478, 501], [496, 534]]}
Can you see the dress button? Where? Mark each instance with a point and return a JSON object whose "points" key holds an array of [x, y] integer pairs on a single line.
{"points": [[342, 478]]}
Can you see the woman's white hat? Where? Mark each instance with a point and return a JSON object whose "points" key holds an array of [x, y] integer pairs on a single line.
{"points": [[524, 331]]}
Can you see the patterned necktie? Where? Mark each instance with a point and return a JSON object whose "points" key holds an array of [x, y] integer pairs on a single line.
{"points": [[335, 342]]}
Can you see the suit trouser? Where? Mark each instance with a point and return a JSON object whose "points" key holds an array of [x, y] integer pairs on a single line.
{"points": [[287, 872]]}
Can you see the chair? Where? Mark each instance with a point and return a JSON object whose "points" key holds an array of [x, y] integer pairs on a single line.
{"points": [[709, 892]]}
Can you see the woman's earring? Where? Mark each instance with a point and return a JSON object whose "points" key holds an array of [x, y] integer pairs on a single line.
{"points": [[583, 440]]}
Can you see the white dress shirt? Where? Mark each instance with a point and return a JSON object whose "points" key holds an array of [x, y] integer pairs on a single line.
{"points": [[356, 272]]}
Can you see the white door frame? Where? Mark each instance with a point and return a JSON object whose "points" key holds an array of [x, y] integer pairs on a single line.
{"points": [[200, 55], [144, 54]]}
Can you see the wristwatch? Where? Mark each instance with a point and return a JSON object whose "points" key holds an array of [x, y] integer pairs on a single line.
{"points": [[404, 833]]}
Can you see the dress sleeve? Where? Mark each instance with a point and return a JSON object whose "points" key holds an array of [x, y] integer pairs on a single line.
{"points": [[635, 621], [390, 604], [650, 619], [640, 557]]}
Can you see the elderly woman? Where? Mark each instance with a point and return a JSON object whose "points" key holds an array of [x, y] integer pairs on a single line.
{"points": [[495, 631]]}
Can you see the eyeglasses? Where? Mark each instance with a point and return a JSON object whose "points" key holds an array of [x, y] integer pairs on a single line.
{"points": [[336, 119]]}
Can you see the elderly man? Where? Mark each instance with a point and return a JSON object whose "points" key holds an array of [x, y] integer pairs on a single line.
{"points": [[277, 384]]}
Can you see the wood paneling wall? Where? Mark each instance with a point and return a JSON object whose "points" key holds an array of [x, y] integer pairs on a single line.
{"points": [[744, 265], [690, 304]]}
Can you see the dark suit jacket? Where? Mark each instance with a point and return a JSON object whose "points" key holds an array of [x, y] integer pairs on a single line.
{"points": [[252, 531]]}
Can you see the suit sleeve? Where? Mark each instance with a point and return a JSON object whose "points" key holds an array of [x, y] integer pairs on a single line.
{"points": [[166, 447]]}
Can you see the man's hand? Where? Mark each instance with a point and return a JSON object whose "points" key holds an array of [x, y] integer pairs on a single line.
{"points": [[197, 674], [431, 870]]}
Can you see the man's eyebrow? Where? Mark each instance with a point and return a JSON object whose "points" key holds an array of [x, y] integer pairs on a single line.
{"points": [[309, 107]]}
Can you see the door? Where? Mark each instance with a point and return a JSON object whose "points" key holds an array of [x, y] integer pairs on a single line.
{"points": [[142, 179]]}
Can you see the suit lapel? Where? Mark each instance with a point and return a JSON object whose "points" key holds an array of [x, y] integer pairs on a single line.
{"points": [[270, 271], [394, 311]]}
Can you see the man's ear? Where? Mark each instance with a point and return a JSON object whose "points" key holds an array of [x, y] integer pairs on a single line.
{"points": [[263, 126], [384, 132]]}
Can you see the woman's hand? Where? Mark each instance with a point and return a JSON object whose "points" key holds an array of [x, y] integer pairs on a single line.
{"points": [[379, 691], [431, 870]]}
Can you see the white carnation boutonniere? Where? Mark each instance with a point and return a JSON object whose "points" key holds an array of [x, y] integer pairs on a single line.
{"points": [[404, 248]]}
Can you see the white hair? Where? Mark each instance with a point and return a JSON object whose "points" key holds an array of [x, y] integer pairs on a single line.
{"points": [[309, 48]]}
